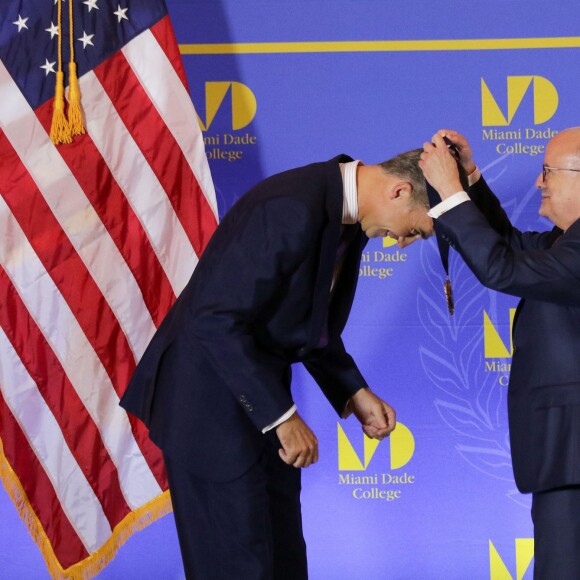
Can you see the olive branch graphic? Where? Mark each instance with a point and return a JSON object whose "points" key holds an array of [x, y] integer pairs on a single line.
{"points": [[470, 401]]}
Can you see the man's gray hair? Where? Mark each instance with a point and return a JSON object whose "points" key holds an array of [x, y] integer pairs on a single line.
{"points": [[406, 166]]}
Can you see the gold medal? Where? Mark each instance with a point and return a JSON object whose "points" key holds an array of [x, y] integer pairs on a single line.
{"points": [[449, 296]]}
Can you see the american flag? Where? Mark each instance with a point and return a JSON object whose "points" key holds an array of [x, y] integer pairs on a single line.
{"points": [[98, 237]]}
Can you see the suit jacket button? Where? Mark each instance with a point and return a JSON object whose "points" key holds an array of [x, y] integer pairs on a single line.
{"points": [[246, 404]]}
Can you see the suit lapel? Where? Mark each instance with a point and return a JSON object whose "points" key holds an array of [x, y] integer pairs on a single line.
{"points": [[328, 248], [343, 295], [555, 236]]}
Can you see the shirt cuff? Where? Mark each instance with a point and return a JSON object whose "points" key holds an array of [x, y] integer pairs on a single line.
{"points": [[447, 204], [283, 418], [474, 176]]}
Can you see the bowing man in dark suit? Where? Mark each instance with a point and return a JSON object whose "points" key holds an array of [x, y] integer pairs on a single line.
{"points": [[544, 387], [274, 287]]}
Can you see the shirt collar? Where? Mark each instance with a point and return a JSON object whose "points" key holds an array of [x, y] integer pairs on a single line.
{"points": [[350, 192]]}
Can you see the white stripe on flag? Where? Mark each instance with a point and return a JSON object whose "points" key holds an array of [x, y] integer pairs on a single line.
{"points": [[46, 440], [80, 362], [140, 185], [75, 214], [173, 102]]}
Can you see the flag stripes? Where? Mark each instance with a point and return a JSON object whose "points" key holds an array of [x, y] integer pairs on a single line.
{"points": [[135, 176], [45, 438], [34, 494], [93, 175], [70, 345], [76, 217], [145, 55], [40, 364]]}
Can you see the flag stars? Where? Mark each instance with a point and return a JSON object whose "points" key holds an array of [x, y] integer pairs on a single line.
{"points": [[21, 23], [91, 4], [121, 13], [53, 30], [48, 67], [86, 39]]}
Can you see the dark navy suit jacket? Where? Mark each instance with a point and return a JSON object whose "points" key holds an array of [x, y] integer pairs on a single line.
{"points": [[218, 369], [544, 386]]}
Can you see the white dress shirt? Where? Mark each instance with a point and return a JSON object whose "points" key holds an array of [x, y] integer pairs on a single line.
{"points": [[455, 199]]}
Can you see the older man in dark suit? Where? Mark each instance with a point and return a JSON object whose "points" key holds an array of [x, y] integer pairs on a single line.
{"points": [[544, 270], [274, 287]]}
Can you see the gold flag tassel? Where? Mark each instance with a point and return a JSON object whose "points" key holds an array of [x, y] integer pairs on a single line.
{"points": [[75, 114], [60, 128]]}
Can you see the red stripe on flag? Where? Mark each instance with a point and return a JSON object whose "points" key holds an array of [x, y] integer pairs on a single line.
{"points": [[76, 285], [165, 36], [159, 149], [63, 401], [118, 217], [40, 493], [66, 268]]}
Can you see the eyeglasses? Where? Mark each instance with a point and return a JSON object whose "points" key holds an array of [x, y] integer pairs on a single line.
{"points": [[546, 169]]}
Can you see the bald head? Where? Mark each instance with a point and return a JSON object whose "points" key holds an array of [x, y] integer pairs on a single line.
{"points": [[560, 180], [567, 143]]}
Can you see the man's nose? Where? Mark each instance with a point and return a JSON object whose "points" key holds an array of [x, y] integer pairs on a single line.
{"points": [[540, 184]]}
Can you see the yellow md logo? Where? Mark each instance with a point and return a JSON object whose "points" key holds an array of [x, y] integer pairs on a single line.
{"points": [[243, 103], [544, 94], [493, 344], [524, 554], [401, 441]]}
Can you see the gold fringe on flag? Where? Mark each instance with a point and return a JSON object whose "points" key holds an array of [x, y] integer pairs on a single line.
{"points": [[136, 520]]}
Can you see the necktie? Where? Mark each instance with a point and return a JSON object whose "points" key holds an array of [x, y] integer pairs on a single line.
{"points": [[347, 234]]}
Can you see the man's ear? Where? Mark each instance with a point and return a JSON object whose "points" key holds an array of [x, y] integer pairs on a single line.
{"points": [[403, 189]]}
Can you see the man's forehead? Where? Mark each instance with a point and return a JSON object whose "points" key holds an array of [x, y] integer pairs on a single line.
{"points": [[566, 147]]}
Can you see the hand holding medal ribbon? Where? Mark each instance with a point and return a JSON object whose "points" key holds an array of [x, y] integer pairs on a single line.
{"points": [[442, 244]]}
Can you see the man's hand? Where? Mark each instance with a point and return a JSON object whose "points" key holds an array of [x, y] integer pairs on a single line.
{"points": [[299, 444], [404, 241], [376, 417], [440, 168], [463, 148]]}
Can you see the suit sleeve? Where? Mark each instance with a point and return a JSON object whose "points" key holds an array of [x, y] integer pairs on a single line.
{"points": [[243, 275], [489, 205], [507, 264], [336, 374]]}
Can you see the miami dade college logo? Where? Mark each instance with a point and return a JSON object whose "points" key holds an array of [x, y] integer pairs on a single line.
{"points": [[523, 556], [536, 97], [229, 144], [383, 263], [544, 94], [494, 346], [243, 103], [377, 485], [496, 351]]}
